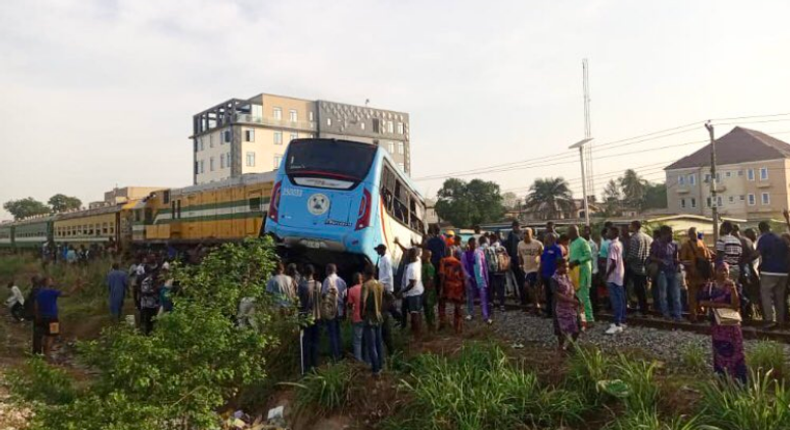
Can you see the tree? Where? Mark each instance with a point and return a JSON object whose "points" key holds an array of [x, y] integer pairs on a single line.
{"points": [[24, 208], [63, 203], [550, 198], [612, 197], [509, 200], [196, 360], [466, 204], [633, 188], [655, 196]]}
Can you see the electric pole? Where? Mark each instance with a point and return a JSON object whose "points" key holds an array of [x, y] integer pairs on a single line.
{"points": [[713, 205]]}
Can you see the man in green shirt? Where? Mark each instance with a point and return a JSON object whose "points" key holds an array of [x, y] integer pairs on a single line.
{"points": [[580, 255]]}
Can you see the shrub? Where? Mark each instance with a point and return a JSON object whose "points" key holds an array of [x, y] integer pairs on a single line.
{"points": [[195, 361], [38, 382], [767, 356], [762, 404]]}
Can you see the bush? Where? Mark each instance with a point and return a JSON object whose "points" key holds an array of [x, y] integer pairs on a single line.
{"points": [[762, 404], [39, 382], [481, 389], [767, 356], [326, 389], [195, 361]]}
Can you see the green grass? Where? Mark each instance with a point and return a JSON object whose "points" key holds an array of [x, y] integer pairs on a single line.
{"points": [[762, 404], [767, 356], [481, 389], [326, 389], [695, 357], [650, 420], [588, 366]]}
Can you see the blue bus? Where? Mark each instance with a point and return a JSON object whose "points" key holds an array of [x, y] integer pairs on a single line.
{"points": [[336, 200]]}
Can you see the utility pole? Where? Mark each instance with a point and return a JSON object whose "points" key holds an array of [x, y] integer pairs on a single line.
{"points": [[713, 205], [582, 145]]}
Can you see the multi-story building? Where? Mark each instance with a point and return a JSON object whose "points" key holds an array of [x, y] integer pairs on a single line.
{"points": [[751, 178], [250, 136]]}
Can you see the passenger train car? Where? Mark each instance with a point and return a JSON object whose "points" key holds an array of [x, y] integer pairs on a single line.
{"points": [[227, 210], [336, 200]]}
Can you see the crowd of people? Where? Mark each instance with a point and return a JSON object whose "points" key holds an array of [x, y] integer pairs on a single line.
{"points": [[568, 277]]}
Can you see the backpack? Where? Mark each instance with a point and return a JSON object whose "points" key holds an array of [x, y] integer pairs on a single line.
{"points": [[329, 302], [503, 260], [491, 259]]}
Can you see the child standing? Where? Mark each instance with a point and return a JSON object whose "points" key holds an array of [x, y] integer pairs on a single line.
{"points": [[566, 306]]}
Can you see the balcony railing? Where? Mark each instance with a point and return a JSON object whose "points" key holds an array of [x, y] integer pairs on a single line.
{"points": [[281, 123]]}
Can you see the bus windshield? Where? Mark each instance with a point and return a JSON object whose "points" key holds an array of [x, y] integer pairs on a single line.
{"points": [[329, 158]]}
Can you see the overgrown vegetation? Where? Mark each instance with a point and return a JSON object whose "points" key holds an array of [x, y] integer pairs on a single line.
{"points": [[694, 357], [195, 362], [481, 389], [761, 405], [767, 356], [327, 389]]}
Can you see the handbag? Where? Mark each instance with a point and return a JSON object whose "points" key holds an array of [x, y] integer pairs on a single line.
{"points": [[726, 316]]}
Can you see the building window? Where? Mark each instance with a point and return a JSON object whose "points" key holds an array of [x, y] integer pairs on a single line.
{"points": [[294, 136], [277, 160], [249, 135], [211, 164], [681, 180], [390, 127], [400, 148], [707, 178], [740, 172], [361, 125], [400, 128], [221, 161], [202, 166], [391, 147], [292, 115], [763, 173], [751, 200], [311, 116], [718, 202], [750, 174], [765, 199], [728, 174], [707, 201], [202, 144], [226, 136], [693, 202], [278, 113], [211, 138], [732, 199], [683, 203], [692, 179], [329, 122], [741, 198], [278, 137], [250, 159]]}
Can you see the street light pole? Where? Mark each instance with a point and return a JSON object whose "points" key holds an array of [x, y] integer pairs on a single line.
{"points": [[581, 145], [714, 206]]}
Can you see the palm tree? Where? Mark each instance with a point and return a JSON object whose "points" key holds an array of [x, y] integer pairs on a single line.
{"points": [[633, 188], [612, 197], [550, 198]]}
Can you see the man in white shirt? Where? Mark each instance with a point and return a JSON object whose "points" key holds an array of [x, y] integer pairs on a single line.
{"points": [[16, 302], [412, 291], [385, 269]]}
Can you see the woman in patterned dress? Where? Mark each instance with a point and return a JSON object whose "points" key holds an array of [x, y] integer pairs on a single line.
{"points": [[566, 305], [728, 356]]}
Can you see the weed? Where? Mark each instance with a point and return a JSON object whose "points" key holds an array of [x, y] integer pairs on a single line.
{"points": [[767, 356], [761, 404], [328, 388], [587, 367], [38, 381], [481, 389], [638, 376], [694, 357], [649, 420]]}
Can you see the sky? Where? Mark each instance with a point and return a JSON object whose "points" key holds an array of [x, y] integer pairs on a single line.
{"points": [[99, 93]]}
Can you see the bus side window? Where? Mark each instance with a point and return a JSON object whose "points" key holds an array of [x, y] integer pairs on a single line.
{"points": [[401, 210]]}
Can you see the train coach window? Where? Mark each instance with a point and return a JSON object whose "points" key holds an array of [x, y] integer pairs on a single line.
{"points": [[255, 204]]}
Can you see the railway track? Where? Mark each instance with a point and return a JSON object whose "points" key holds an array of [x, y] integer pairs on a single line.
{"points": [[751, 329]]}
